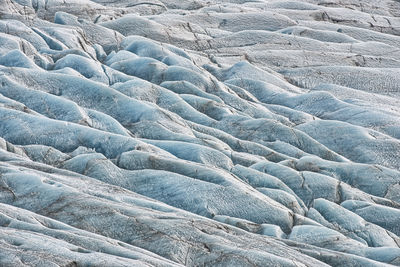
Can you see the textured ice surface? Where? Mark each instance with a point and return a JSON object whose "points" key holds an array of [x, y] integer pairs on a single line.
{"points": [[199, 133]]}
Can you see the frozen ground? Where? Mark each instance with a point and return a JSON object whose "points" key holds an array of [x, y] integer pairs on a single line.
{"points": [[199, 133]]}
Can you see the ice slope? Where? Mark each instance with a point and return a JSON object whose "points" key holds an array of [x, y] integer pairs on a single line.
{"points": [[199, 133]]}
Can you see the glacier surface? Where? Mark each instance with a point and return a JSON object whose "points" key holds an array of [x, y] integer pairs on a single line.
{"points": [[199, 133]]}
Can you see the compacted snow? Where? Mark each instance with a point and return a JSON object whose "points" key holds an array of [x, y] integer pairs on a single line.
{"points": [[199, 133]]}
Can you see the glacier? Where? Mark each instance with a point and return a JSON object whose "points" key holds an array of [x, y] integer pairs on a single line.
{"points": [[199, 133]]}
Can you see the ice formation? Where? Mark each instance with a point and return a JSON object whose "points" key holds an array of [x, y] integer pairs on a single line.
{"points": [[199, 133]]}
